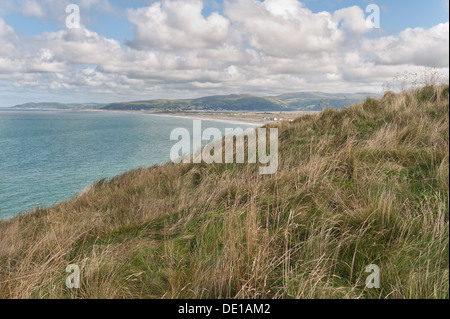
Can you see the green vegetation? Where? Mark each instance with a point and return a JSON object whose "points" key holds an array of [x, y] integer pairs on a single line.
{"points": [[364, 185]]}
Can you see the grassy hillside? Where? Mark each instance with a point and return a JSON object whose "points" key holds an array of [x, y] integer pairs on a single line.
{"points": [[316, 101], [364, 185]]}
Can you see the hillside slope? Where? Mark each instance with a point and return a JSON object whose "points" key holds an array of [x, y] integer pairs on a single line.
{"points": [[364, 185]]}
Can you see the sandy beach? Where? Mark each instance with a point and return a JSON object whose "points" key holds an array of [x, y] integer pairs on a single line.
{"points": [[250, 118]]}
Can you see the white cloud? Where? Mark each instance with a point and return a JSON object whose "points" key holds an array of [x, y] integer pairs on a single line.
{"points": [[32, 8], [425, 47], [284, 28], [80, 46], [45, 61], [352, 19], [265, 47], [8, 51], [7, 36], [177, 25]]}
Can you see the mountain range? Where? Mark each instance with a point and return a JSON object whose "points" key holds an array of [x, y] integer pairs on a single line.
{"points": [[302, 101]]}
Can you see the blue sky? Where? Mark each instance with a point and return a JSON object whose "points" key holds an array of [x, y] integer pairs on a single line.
{"points": [[397, 15], [173, 48]]}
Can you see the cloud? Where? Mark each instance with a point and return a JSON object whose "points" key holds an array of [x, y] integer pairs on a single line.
{"points": [[176, 25], [32, 8], [176, 51], [423, 47], [8, 49], [284, 28], [80, 46], [352, 19], [7, 35], [45, 61]]}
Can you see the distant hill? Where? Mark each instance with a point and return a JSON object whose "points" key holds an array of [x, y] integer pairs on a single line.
{"points": [[210, 103], [303, 101], [245, 102], [59, 106]]}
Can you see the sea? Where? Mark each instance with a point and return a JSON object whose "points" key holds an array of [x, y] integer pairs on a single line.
{"points": [[51, 156]]}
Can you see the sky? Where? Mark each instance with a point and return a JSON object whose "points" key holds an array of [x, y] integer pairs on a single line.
{"points": [[138, 50]]}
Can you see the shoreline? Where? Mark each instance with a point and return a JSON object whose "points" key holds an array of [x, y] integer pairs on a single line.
{"points": [[251, 122], [257, 118], [218, 117]]}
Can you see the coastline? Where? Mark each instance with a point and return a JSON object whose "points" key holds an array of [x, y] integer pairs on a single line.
{"points": [[236, 121], [252, 122], [256, 119]]}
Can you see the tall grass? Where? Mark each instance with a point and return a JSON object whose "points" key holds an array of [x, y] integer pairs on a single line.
{"points": [[364, 185]]}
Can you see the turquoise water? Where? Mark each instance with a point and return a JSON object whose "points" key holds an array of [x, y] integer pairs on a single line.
{"points": [[50, 156]]}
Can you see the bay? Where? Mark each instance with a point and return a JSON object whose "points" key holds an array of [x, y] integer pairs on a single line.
{"points": [[50, 156]]}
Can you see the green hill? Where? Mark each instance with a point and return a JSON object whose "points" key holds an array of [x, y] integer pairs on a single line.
{"points": [[212, 103], [359, 186], [246, 102], [319, 101]]}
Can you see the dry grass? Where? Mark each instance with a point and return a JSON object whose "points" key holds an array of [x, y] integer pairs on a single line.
{"points": [[368, 184]]}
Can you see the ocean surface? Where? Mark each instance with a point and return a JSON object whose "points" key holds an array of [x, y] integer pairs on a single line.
{"points": [[50, 156]]}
